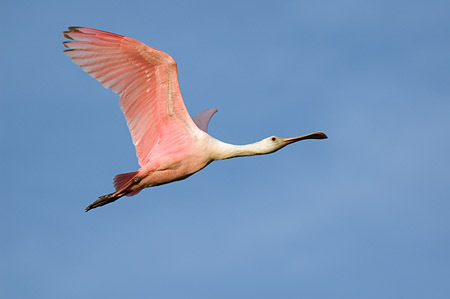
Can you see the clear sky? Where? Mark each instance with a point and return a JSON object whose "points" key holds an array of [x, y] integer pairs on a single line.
{"points": [[364, 214]]}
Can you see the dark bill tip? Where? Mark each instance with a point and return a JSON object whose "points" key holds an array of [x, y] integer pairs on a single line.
{"points": [[317, 135]]}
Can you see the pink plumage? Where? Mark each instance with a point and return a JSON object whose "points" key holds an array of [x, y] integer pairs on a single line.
{"points": [[146, 80], [170, 146]]}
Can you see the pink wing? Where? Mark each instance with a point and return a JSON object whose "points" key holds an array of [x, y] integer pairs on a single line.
{"points": [[146, 80]]}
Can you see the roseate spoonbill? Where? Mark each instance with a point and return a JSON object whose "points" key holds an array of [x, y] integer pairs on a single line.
{"points": [[170, 145]]}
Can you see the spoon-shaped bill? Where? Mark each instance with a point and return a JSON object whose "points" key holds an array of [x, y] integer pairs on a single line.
{"points": [[315, 135]]}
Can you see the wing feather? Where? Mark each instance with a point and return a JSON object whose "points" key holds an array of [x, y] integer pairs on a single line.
{"points": [[146, 80]]}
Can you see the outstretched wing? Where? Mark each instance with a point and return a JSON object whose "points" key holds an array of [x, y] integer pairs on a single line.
{"points": [[146, 80]]}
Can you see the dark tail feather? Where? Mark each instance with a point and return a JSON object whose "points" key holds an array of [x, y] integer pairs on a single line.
{"points": [[103, 200]]}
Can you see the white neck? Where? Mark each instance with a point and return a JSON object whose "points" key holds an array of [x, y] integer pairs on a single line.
{"points": [[217, 150], [222, 150]]}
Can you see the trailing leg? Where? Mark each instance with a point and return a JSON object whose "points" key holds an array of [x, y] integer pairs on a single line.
{"points": [[103, 200]]}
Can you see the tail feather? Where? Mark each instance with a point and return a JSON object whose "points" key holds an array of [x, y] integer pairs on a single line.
{"points": [[121, 180]]}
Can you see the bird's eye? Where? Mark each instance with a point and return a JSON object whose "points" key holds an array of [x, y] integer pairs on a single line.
{"points": [[273, 138]]}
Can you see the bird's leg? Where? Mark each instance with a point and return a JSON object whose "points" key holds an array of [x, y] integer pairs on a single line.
{"points": [[108, 198], [105, 199]]}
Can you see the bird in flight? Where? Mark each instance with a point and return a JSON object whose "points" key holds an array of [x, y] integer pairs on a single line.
{"points": [[170, 145]]}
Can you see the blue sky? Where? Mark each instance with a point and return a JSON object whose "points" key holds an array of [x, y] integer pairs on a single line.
{"points": [[364, 214]]}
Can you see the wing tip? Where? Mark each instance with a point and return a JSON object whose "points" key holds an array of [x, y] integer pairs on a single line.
{"points": [[66, 34], [74, 28], [71, 29]]}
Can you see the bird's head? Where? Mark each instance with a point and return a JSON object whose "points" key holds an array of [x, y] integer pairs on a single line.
{"points": [[274, 143]]}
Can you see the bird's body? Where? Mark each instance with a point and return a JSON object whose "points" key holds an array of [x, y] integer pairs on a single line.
{"points": [[170, 145]]}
